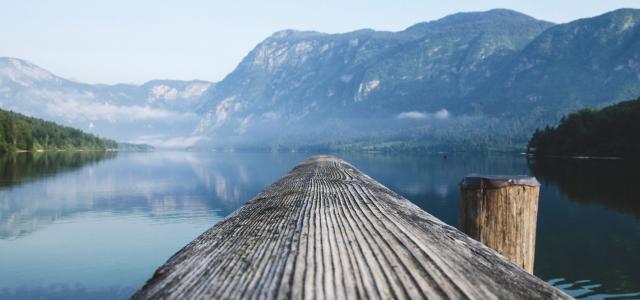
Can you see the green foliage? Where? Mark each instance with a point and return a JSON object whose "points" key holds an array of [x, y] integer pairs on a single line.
{"points": [[20, 168], [22, 133], [499, 74], [612, 131]]}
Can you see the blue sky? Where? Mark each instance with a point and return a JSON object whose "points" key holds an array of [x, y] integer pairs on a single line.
{"points": [[135, 41]]}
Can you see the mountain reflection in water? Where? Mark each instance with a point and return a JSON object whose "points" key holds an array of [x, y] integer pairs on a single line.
{"points": [[96, 225]]}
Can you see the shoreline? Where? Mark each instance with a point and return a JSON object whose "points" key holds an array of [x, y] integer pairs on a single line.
{"points": [[584, 157], [59, 150]]}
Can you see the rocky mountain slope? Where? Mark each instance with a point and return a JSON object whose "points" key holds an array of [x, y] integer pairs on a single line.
{"points": [[487, 78], [586, 63], [481, 80]]}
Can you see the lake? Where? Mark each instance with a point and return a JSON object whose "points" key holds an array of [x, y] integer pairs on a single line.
{"points": [[96, 225]]}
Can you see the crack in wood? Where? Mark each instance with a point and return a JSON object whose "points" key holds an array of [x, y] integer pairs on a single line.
{"points": [[326, 230]]}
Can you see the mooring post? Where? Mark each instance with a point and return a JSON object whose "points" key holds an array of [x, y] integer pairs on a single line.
{"points": [[501, 212]]}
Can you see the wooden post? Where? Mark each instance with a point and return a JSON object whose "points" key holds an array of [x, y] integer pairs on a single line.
{"points": [[501, 212]]}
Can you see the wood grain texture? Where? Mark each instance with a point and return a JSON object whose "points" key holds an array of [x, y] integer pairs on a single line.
{"points": [[328, 231], [502, 218]]}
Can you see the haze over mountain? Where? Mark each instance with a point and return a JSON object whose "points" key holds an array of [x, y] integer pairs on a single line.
{"points": [[468, 80], [160, 112], [487, 79]]}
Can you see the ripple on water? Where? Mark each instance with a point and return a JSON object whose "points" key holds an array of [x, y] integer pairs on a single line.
{"points": [[587, 289]]}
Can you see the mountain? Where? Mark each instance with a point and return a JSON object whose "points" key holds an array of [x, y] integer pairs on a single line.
{"points": [[160, 112], [468, 81], [324, 87], [586, 63], [481, 79]]}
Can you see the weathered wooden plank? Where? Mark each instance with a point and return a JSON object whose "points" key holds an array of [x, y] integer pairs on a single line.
{"points": [[326, 230]]}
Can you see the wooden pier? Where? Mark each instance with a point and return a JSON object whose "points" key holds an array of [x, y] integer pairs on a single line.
{"points": [[328, 231]]}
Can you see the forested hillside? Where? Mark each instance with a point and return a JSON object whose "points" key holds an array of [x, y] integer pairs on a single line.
{"points": [[468, 81], [483, 80], [611, 131], [22, 133]]}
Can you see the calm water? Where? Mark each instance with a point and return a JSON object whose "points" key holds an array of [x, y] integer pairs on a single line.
{"points": [[97, 225]]}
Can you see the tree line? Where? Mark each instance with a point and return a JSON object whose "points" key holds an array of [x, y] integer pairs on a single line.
{"points": [[611, 131], [22, 133]]}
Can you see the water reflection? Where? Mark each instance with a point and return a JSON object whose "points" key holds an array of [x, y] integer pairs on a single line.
{"points": [[23, 210], [97, 227], [589, 226], [608, 182], [102, 226], [65, 292], [23, 167], [430, 181], [163, 185], [588, 236]]}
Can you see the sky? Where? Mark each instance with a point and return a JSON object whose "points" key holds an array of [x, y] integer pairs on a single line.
{"points": [[133, 41]]}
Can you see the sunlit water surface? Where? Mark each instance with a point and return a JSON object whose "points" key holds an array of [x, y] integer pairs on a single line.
{"points": [[96, 225]]}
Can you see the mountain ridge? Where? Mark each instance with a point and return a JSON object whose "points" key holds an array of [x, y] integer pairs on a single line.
{"points": [[155, 112], [447, 81], [342, 70], [487, 70]]}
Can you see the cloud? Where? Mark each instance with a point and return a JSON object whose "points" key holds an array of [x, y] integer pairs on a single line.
{"points": [[417, 115], [414, 115], [441, 114], [168, 93], [74, 109], [224, 110], [161, 141]]}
